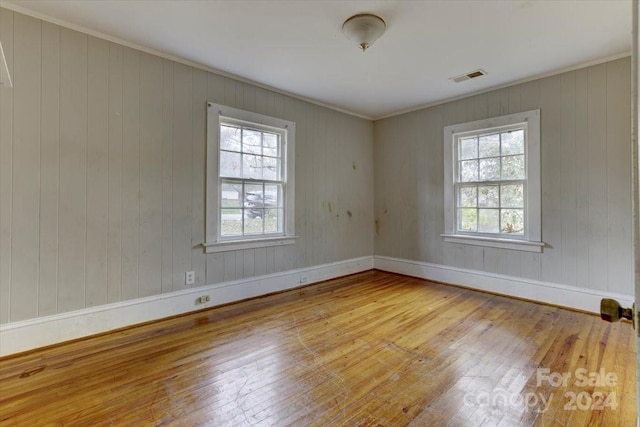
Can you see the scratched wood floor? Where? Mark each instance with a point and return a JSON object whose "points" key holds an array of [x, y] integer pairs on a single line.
{"points": [[372, 349]]}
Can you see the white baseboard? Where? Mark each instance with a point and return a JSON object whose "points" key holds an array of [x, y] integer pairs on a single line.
{"points": [[26, 335], [534, 290]]}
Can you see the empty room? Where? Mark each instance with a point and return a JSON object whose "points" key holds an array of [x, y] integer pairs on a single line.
{"points": [[318, 213]]}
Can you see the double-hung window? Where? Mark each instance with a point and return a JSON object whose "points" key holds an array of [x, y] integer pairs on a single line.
{"points": [[492, 182], [250, 186]]}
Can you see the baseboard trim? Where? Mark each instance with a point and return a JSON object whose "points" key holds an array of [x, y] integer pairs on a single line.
{"points": [[534, 290], [17, 337]]}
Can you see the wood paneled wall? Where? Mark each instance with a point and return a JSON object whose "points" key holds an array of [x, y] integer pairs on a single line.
{"points": [[102, 174], [586, 180]]}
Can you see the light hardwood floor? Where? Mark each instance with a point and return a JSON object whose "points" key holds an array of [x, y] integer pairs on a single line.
{"points": [[372, 349]]}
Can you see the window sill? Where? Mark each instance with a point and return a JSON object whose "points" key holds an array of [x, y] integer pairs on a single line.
{"points": [[236, 245], [494, 242]]}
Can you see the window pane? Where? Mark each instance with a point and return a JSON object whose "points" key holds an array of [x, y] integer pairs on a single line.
{"points": [[513, 167], [488, 220], [273, 196], [488, 196], [468, 148], [469, 171], [231, 209], [272, 220], [254, 190], [251, 176], [254, 221], [270, 144], [230, 164], [512, 221], [271, 168], [490, 145], [512, 196], [490, 169], [252, 141], [513, 142], [231, 222], [251, 166], [253, 200], [229, 138], [467, 220], [467, 197], [231, 195]]}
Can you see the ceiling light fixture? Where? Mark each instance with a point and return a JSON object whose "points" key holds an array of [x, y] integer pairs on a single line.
{"points": [[364, 29]]}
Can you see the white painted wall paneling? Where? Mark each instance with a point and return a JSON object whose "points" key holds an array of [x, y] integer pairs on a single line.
{"points": [[26, 166], [6, 170], [586, 180], [72, 213], [49, 170], [102, 165], [97, 171]]}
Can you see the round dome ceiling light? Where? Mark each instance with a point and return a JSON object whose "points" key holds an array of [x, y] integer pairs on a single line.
{"points": [[364, 29]]}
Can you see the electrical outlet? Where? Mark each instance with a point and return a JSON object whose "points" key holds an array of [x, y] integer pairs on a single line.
{"points": [[203, 299], [190, 278]]}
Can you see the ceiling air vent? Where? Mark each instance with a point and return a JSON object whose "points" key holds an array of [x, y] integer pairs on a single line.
{"points": [[469, 76]]}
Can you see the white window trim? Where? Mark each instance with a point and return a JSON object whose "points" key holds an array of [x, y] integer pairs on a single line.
{"points": [[213, 243], [531, 241]]}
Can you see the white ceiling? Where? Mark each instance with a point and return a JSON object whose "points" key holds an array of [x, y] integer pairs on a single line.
{"points": [[298, 46]]}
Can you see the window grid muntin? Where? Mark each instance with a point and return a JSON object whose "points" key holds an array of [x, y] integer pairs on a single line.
{"points": [[244, 181], [243, 209], [458, 183], [500, 208], [242, 152]]}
